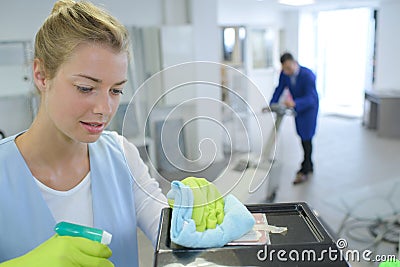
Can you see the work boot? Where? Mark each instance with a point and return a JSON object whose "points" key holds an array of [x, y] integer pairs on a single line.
{"points": [[300, 178]]}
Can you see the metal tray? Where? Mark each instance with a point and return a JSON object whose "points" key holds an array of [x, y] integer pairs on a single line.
{"points": [[306, 243]]}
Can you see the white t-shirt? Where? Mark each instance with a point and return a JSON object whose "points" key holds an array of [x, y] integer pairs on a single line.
{"points": [[75, 205]]}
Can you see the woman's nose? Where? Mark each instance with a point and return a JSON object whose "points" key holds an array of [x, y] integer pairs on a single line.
{"points": [[104, 104]]}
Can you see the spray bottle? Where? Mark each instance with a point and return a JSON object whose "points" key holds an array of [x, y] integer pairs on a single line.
{"points": [[71, 229]]}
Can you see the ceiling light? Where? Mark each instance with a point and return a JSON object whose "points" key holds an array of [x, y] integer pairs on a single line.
{"points": [[296, 2]]}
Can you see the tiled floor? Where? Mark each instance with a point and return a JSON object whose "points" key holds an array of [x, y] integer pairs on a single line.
{"points": [[355, 171]]}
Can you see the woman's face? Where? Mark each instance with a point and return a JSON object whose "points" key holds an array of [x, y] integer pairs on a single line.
{"points": [[84, 95]]}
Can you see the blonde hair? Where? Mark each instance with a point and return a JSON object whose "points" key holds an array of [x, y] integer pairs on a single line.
{"points": [[72, 23]]}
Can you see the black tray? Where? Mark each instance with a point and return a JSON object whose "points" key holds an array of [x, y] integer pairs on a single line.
{"points": [[306, 242]]}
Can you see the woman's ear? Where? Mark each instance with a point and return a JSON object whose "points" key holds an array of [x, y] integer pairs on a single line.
{"points": [[39, 76]]}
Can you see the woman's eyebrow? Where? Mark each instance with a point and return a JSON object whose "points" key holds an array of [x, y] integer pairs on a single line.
{"points": [[98, 80], [121, 82], [88, 77]]}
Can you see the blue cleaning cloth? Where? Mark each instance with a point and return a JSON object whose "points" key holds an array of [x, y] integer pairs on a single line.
{"points": [[237, 221]]}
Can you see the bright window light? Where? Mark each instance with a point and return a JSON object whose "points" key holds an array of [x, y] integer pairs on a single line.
{"points": [[296, 2], [229, 39]]}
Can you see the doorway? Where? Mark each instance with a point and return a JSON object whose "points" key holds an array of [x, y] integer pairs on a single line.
{"points": [[344, 59]]}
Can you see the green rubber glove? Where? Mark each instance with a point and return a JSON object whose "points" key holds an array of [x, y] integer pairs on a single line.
{"points": [[208, 204], [64, 251], [390, 264]]}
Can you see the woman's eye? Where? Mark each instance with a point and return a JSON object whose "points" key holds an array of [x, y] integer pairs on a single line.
{"points": [[83, 89], [117, 91]]}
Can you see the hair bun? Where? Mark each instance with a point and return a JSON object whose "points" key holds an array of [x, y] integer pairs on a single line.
{"points": [[61, 4]]}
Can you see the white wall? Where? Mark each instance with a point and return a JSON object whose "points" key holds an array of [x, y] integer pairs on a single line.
{"points": [[176, 12], [135, 12], [207, 47], [388, 44], [20, 19], [291, 32], [246, 12]]}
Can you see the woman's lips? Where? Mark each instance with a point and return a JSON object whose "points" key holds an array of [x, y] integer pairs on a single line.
{"points": [[93, 127]]}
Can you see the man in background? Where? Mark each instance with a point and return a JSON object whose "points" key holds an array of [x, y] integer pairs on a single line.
{"points": [[303, 98]]}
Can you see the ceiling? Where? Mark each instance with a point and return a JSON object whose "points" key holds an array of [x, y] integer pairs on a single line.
{"points": [[326, 4]]}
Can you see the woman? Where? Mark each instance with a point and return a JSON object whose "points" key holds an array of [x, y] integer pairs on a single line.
{"points": [[65, 167]]}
